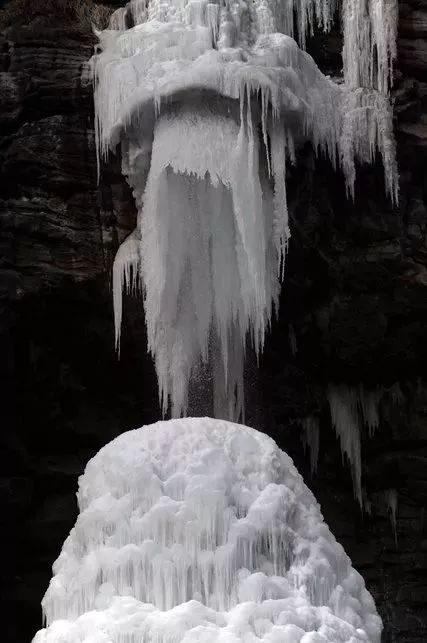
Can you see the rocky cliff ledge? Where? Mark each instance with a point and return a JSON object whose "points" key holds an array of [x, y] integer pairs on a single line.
{"points": [[354, 313]]}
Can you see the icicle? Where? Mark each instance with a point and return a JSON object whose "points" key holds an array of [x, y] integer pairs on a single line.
{"points": [[292, 340], [396, 394], [118, 19], [264, 113], [126, 275], [212, 19], [309, 13], [139, 9], [228, 389], [310, 439], [352, 409], [366, 503], [392, 503], [345, 420], [369, 401], [370, 29], [367, 129], [281, 225], [204, 199]]}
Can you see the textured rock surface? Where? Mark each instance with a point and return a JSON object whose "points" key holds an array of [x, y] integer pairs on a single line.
{"points": [[355, 298]]}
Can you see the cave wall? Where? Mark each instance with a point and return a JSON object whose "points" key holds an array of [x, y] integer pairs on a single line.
{"points": [[63, 391], [354, 298]]}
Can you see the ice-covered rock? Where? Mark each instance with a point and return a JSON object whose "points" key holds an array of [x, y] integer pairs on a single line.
{"points": [[209, 101]]}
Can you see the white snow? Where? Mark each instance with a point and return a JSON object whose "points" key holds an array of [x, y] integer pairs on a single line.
{"points": [[199, 530], [209, 101]]}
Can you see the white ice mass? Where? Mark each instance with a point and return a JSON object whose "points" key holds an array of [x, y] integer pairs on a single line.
{"points": [[209, 101], [202, 531]]}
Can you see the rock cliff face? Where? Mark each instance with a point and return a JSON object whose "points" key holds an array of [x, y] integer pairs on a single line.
{"points": [[354, 312]]}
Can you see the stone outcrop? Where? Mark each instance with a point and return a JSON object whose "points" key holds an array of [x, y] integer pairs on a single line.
{"points": [[353, 311]]}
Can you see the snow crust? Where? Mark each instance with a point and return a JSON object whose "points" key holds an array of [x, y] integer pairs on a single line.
{"points": [[209, 101], [199, 530]]}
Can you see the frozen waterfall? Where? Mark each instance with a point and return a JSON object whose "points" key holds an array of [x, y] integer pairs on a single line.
{"points": [[209, 102], [202, 531]]}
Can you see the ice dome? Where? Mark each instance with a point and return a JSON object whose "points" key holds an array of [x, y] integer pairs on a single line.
{"points": [[201, 530]]}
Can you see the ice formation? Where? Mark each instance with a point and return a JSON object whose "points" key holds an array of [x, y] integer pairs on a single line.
{"points": [[202, 531], [396, 394], [310, 440], [369, 28], [209, 101], [293, 340], [391, 497], [352, 408]]}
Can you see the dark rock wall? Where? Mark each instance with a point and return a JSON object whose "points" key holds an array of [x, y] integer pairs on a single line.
{"points": [[63, 391], [354, 295]]}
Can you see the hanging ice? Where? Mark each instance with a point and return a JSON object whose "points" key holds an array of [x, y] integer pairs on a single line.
{"points": [[202, 531], [209, 101], [351, 409], [370, 28], [310, 437], [392, 499]]}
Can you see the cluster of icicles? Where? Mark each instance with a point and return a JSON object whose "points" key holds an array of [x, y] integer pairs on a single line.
{"points": [[209, 101], [202, 531], [355, 410]]}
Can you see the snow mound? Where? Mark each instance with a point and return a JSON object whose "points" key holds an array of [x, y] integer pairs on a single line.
{"points": [[200, 530]]}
